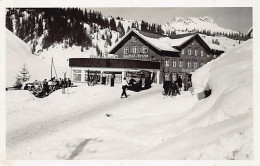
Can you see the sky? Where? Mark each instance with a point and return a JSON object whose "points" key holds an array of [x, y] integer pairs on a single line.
{"points": [[234, 18]]}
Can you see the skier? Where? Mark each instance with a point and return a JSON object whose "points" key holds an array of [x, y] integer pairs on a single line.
{"points": [[124, 86]]}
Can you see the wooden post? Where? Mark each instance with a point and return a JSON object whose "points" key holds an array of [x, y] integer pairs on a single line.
{"points": [[63, 88], [51, 66]]}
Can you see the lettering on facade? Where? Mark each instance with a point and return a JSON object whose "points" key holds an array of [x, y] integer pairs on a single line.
{"points": [[187, 70], [136, 56]]}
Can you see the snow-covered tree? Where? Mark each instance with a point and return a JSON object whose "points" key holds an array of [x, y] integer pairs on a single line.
{"points": [[22, 77]]}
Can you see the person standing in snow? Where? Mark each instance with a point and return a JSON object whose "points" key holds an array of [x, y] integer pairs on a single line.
{"points": [[103, 78], [69, 82], [112, 79], [65, 83], [124, 86], [61, 83], [179, 82], [45, 87]]}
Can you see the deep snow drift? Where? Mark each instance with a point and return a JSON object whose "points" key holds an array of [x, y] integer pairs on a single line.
{"points": [[95, 123], [19, 53]]}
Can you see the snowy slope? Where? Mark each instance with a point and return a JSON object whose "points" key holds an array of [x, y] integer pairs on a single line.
{"points": [[19, 53], [61, 54], [191, 23], [224, 42]]}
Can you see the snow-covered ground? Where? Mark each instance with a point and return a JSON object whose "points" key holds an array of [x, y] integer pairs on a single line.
{"points": [[224, 42], [93, 122]]}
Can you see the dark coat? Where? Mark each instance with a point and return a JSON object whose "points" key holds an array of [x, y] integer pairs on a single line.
{"points": [[179, 82]]}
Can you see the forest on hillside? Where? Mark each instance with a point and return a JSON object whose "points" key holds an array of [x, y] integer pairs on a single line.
{"points": [[73, 26]]}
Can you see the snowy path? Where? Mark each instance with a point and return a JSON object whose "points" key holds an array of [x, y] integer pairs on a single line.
{"points": [[43, 122], [146, 125], [44, 126]]}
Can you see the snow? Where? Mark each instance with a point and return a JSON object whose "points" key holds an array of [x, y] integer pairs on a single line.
{"points": [[163, 43], [19, 53], [224, 42], [61, 53], [93, 122], [191, 23], [166, 43]]}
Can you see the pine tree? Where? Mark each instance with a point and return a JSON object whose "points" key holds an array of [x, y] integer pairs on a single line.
{"points": [[22, 77], [108, 41], [40, 28], [9, 22], [113, 24], [98, 51]]}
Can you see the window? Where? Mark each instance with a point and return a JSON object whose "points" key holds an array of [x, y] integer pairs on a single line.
{"points": [[135, 49], [214, 56], [174, 63], [180, 63], [76, 75], [208, 55], [145, 49], [201, 53], [182, 52], [167, 63], [189, 51], [126, 50], [196, 52], [195, 65], [174, 76], [189, 64]]}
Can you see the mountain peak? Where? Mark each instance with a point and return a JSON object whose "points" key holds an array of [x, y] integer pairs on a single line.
{"points": [[195, 23], [188, 20], [206, 19]]}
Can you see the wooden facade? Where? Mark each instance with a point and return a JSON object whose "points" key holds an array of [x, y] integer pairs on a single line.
{"points": [[180, 60]]}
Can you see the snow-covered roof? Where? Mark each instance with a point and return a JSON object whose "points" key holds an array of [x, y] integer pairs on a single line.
{"points": [[161, 43], [165, 43]]}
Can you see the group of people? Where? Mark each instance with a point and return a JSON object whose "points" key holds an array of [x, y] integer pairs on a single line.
{"points": [[44, 88], [172, 88], [104, 78]]}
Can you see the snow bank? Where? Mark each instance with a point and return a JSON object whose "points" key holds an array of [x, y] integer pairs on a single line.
{"points": [[18, 53], [230, 78], [220, 126]]}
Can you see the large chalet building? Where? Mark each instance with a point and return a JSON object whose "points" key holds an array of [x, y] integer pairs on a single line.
{"points": [[167, 57]]}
